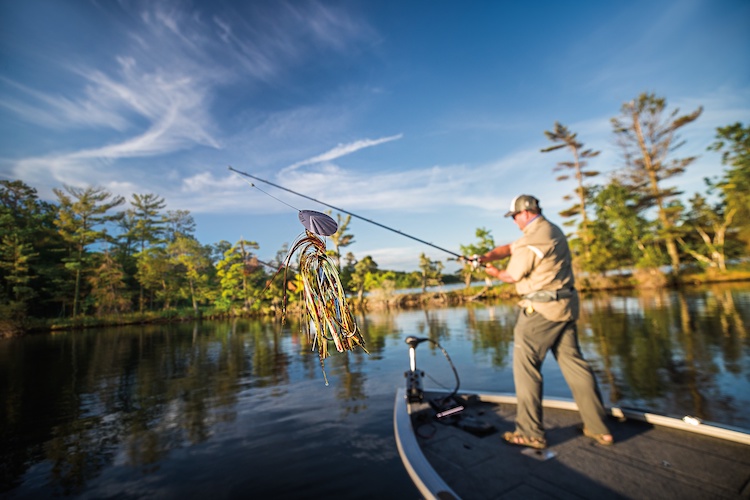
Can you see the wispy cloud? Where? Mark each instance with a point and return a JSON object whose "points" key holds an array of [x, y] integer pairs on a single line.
{"points": [[341, 150], [157, 95], [58, 112]]}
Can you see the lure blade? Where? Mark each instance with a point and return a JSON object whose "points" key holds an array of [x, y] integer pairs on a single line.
{"points": [[318, 223]]}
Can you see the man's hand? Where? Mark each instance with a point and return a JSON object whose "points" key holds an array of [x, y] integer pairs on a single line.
{"points": [[472, 261], [475, 262], [500, 274]]}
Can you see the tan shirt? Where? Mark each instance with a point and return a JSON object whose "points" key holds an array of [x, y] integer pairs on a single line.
{"points": [[540, 260]]}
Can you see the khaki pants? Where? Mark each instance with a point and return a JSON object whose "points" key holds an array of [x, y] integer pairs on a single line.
{"points": [[533, 336]]}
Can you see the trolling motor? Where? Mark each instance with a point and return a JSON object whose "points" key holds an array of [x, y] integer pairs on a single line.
{"points": [[449, 409], [444, 407], [414, 392]]}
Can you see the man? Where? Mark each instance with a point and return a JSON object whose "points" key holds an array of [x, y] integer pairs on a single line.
{"points": [[540, 267]]}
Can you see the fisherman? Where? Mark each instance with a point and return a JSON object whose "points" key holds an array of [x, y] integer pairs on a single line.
{"points": [[540, 267]]}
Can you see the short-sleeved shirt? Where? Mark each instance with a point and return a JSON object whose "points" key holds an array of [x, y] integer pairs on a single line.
{"points": [[541, 260]]}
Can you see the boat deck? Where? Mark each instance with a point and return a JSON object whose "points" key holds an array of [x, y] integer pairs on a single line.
{"points": [[647, 461]]}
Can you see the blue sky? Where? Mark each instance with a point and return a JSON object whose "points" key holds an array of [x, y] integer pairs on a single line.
{"points": [[424, 116]]}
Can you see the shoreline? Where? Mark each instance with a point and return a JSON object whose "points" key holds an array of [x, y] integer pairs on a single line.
{"points": [[376, 302]]}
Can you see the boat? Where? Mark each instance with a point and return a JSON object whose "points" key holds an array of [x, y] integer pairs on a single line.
{"points": [[450, 444]]}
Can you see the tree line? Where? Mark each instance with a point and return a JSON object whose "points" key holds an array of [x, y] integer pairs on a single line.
{"points": [[91, 253], [94, 254]]}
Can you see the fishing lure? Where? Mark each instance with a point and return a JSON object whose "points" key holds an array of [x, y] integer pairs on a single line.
{"points": [[328, 316]]}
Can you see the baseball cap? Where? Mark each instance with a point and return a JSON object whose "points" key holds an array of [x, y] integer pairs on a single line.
{"points": [[522, 202]]}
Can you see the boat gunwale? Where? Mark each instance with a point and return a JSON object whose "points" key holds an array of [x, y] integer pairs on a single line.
{"points": [[423, 475]]}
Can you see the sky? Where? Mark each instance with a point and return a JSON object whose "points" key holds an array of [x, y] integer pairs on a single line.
{"points": [[425, 117]]}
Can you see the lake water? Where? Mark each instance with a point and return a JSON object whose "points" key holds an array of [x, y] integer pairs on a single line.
{"points": [[240, 409]]}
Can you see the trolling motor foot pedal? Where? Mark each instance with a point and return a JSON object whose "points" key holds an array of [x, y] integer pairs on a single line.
{"points": [[473, 425]]}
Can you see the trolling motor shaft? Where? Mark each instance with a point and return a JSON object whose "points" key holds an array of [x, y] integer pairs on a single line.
{"points": [[414, 390]]}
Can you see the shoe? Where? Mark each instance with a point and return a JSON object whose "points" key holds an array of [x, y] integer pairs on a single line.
{"points": [[602, 439], [518, 439]]}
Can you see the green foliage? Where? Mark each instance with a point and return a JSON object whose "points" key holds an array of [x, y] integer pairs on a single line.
{"points": [[431, 272], [108, 288], [30, 248], [733, 142], [621, 236], [364, 276], [239, 274], [192, 263], [706, 233], [155, 273]]}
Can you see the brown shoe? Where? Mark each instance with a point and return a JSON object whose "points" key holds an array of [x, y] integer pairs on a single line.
{"points": [[518, 439], [602, 439]]}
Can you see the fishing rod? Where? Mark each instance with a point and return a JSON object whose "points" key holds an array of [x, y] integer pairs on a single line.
{"points": [[461, 257]]}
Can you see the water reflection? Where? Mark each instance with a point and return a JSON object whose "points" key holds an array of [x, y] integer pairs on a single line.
{"points": [[673, 351], [125, 404]]}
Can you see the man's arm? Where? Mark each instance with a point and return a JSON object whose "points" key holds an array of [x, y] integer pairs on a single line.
{"points": [[496, 253]]}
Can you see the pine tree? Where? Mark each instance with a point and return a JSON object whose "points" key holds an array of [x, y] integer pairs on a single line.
{"points": [[564, 138], [80, 219], [147, 227], [648, 139]]}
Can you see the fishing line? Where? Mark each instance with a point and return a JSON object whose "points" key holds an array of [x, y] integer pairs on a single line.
{"points": [[268, 194], [347, 212], [315, 222], [453, 367]]}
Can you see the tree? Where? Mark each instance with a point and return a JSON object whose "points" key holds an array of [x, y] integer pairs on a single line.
{"points": [[363, 271], [147, 226], [235, 273], [564, 138], [193, 262], [15, 266], [348, 270], [27, 247], [80, 219], [733, 142], [341, 238], [156, 272], [711, 223], [484, 244], [178, 223], [621, 236], [431, 272], [647, 139], [108, 288], [148, 223]]}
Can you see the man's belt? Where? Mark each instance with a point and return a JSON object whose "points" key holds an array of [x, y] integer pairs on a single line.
{"points": [[550, 295]]}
